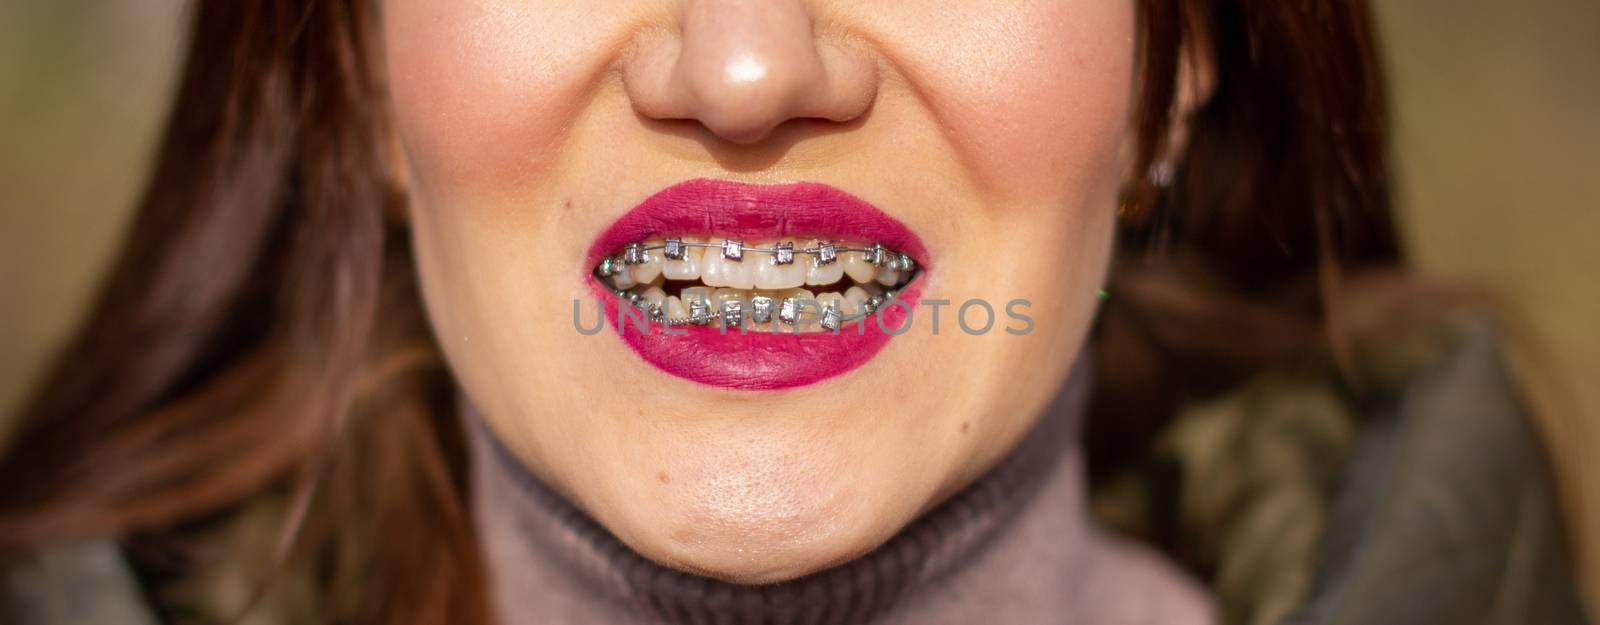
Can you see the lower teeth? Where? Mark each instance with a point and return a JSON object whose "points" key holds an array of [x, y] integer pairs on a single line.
{"points": [[796, 311]]}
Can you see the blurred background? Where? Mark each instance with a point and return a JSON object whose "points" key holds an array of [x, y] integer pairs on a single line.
{"points": [[1497, 152]]}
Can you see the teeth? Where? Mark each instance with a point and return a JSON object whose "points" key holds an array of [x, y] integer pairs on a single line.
{"points": [[802, 305], [785, 310], [827, 253], [634, 254], [716, 269], [733, 249], [624, 279], [832, 310], [855, 301], [689, 267], [789, 311], [799, 293], [694, 293], [654, 295], [783, 253], [903, 263], [675, 308], [767, 273], [769, 264], [649, 265], [761, 308], [877, 255], [700, 311], [857, 267], [756, 285], [832, 319], [876, 301], [888, 276], [674, 249], [726, 295], [732, 312], [819, 273], [736, 308]]}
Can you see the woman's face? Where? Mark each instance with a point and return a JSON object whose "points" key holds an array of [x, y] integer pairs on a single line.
{"points": [[984, 139]]}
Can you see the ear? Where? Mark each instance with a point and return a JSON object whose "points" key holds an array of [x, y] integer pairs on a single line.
{"points": [[1197, 82], [399, 175]]}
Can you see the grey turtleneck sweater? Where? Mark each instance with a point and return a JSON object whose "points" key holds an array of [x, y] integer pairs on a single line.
{"points": [[1015, 547]]}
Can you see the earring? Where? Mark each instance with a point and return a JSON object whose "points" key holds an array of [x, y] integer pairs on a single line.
{"points": [[1134, 199], [1161, 174]]}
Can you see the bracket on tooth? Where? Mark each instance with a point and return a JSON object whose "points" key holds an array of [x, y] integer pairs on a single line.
{"points": [[877, 255], [633, 254], [826, 253], [831, 317], [675, 250], [700, 312], [761, 309], [789, 312], [783, 254], [733, 250], [732, 312], [902, 262]]}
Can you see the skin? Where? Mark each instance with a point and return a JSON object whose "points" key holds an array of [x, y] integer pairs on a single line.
{"points": [[998, 131]]}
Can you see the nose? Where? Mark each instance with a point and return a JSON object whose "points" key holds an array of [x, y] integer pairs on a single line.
{"points": [[741, 68]]}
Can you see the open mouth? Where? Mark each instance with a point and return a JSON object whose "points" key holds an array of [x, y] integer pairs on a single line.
{"points": [[756, 286], [798, 285]]}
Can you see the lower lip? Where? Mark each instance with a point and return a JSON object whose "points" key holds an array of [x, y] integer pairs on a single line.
{"points": [[728, 357], [757, 360]]}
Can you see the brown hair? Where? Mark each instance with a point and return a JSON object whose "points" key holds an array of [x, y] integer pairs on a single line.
{"points": [[261, 331], [1282, 190]]}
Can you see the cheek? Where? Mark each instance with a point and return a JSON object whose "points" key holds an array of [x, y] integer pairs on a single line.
{"points": [[482, 90], [1034, 98]]}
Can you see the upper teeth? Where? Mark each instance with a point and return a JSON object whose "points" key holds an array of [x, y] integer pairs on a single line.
{"points": [[723, 264]]}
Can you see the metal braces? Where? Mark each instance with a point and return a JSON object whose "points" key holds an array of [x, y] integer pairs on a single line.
{"points": [[791, 311], [824, 253]]}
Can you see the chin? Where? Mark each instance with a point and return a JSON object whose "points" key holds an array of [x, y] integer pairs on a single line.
{"points": [[762, 523], [746, 551]]}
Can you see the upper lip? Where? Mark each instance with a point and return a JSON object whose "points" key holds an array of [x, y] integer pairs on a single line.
{"points": [[750, 211]]}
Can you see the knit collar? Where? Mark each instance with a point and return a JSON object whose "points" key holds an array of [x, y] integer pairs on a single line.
{"points": [[543, 551]]}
